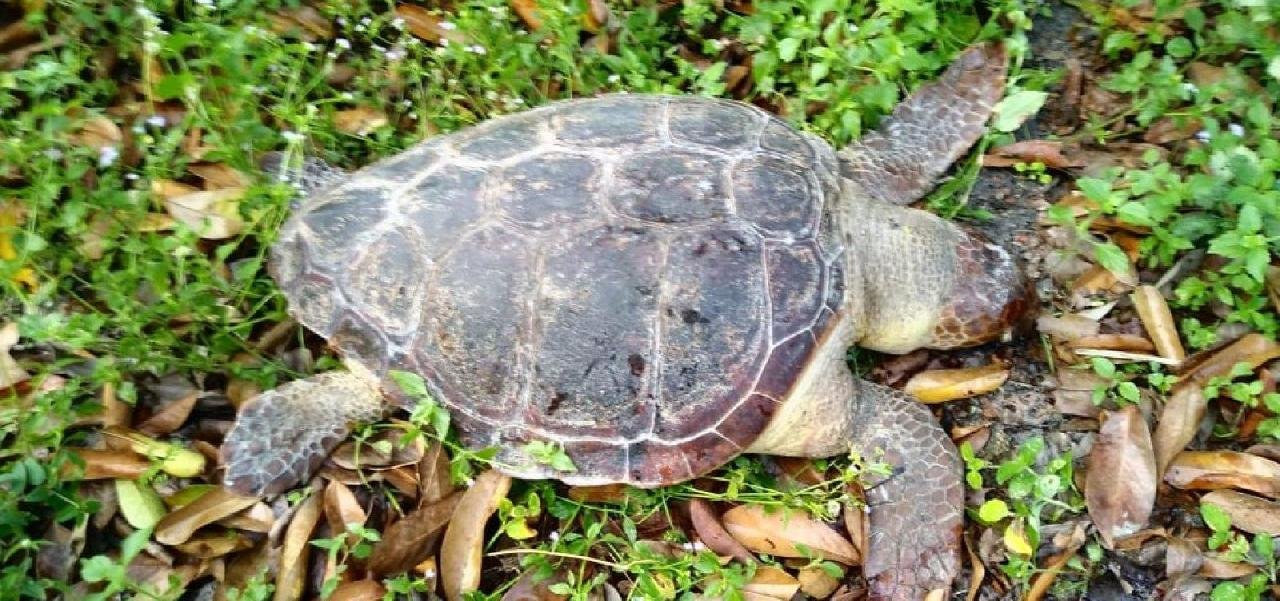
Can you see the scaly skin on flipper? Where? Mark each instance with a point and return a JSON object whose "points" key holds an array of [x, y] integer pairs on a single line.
{"points": [[901, 160], [917, 513], [282, 435]]}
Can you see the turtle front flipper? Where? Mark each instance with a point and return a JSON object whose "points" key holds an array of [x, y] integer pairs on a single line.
{"points": [[917, 511], [282, 435], [899, 162]]}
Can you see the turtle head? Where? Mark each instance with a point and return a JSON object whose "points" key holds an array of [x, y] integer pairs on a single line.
{"points": [[991, 296]]}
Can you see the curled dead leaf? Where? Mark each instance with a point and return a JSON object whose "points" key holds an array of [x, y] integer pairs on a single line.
{"points": [[426, 26], [1178, 424], [10, 372], [1249, 513], [605, 493], [1120, 487], [1158, 322], [292, 567], [341, 508], [214, 544], [713, 535], [98, 132], [1209, 470], [219, 175], [170, 417], [460, 554], [212, 506], [1225, 570], [213, 214], [1068, 327], [527, 10], [410, 540], [772, 583], [359, 121], [1252, 349], [941, 385], [782, 534], [816, 582], [100, 464], [359, 590], [1051, 153], [303, 21]]}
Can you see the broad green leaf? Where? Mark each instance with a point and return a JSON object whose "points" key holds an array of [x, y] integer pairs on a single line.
{"points": [[412, 384], [1015, 109], [1113, 259], [993, 511], [1215, 517]]}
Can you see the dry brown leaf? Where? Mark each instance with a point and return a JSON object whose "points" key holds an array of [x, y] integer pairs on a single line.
{"points": [[1172, 129], [772, 583], [100, 464], [779, 534], [170, 417], [1051, 153], [1114, 342], [410, 540], [359, 590], [424, 25], [115, 412], [1158, 321], [359, 121], [941, 385], [434, 481], [460, 554], [219, 175], [526, 588], [1249, 513], [208, 545], [98, 132], [10, 372], [1068, 327], [816, 582], [292, 567], [596, 16], [341, 508], [213, 214], [1270, 451], [713, 534], [605, 493], [1225, 570], [303, 21], [1253, 349], [1208, 470], [1178, 424], [257, 518], [1120, 487], [174, 459], [167, 189], [527, 10], [979, 569], [1044, 580], [1125, 356], [1182, 557], [212, 506]]}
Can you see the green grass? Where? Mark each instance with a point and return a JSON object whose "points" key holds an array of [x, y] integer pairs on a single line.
{"points": [[149, 303]]}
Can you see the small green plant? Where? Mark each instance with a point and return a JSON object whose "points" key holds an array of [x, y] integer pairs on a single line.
{"points": [[1232, 546], [356, 543]]}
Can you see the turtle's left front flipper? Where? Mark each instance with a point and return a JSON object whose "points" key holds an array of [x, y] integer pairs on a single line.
{"points": [[282, 435], [899, 162], [917, 512]]}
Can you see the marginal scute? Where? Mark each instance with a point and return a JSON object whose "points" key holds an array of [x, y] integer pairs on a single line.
{"points": [[610, 122], [359, 340], [410, 164], [312, 302], [741, 425], [594, 353], [776, 195], [780, 138], [670, 186], [718, 124], [497, 140], [386, 282], [350, 212], [549, 189]]}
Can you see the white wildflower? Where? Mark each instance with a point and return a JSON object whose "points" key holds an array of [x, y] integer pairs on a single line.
{"points": [[53, 154], [156, 121], [107, 156], [554, 536], [396, 54], [1236, 129], [1190, 87], [397, 23], [292, 136], [133, 177], [477, 49], [448, 25], [342, 43], [1203, 135], [614, 78]]}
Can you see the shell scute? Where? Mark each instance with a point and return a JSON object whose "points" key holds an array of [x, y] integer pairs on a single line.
{"points": [[670, 186], [777, 195], [796, 287], [719, 124], [443, 204], [610, 121], [385, 283], [548, 189]]}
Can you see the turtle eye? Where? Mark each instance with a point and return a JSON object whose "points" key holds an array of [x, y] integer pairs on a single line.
{"points": [[991, 298]]}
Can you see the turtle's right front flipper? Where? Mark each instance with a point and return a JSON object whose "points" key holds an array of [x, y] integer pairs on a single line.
{"points": [[282, 435]]}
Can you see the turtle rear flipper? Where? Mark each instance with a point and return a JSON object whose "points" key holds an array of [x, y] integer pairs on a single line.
{"points": [[917, 511], [899, 162], [282, 435]]}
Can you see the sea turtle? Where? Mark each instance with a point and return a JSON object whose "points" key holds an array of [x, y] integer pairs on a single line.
{"points": [[657, 284]]}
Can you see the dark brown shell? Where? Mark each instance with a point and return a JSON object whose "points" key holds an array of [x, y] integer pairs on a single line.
{"points": [[639, 278]]}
